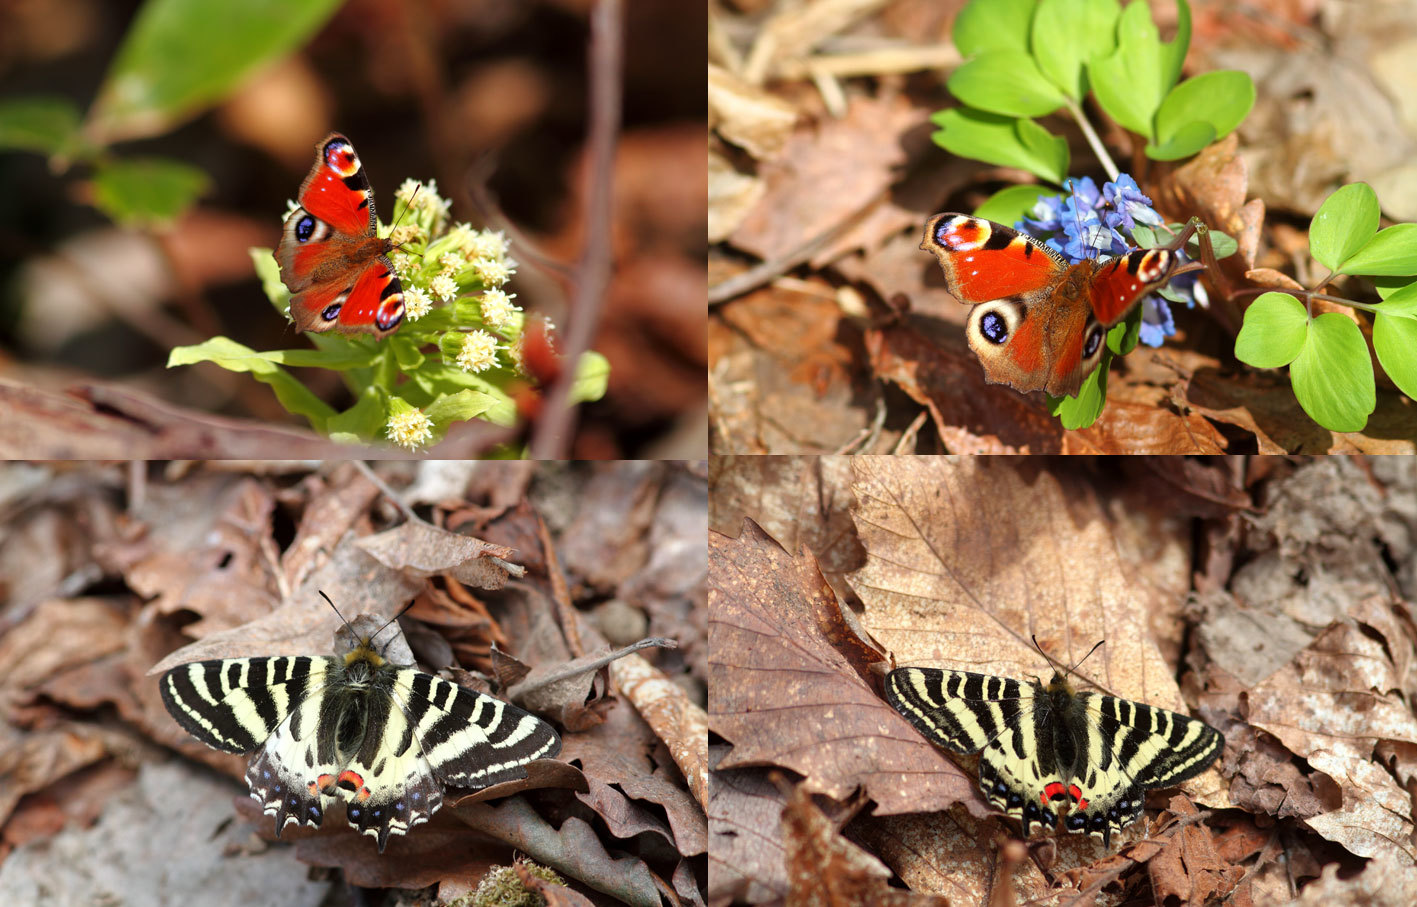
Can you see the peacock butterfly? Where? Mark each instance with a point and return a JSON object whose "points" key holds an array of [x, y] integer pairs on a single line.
{"points": [[330, 255], [1038, 323]]}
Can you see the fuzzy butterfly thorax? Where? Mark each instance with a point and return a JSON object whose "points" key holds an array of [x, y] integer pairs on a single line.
{"points": [[330, 255], [1038, 323]]}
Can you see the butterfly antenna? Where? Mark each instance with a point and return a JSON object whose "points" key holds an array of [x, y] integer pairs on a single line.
{"points": [[1065, 668], [336, 610]]}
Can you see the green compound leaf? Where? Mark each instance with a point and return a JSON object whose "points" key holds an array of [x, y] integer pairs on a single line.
{"points": [[1392, 253], [234, 357], [1400, 301], [1003, 141], [1005, 82], [1130, 82], [46, 125], [1344, 223], [1185, 142], [1067, 34], [1222, 99], [993, 25], [459, 407], [1333, 376], [365, 420], [1274, 331], [147, 191], [181, 56], [1394, 340], [1010, 204]]}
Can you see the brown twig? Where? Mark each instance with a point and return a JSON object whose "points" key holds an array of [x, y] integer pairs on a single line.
{"points": [[551, 438]]}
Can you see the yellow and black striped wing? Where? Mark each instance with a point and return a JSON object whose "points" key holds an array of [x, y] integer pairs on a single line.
{"points": [[384, 740], [1130, 748], [1003, 720], [1045, 749]]}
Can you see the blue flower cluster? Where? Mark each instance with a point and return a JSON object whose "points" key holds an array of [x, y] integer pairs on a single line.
{"points": [[1090, 223]]}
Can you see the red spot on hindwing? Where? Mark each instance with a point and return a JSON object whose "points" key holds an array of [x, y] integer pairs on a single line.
{"points": [[350, 780], [1051, 792], [1076, 793]]}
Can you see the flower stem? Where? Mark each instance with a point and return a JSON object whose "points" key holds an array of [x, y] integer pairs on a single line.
{"points": [[1093, 140]]}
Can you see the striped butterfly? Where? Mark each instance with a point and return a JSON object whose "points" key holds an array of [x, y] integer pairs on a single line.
{"points": [[383, 737], [1045, 747]]}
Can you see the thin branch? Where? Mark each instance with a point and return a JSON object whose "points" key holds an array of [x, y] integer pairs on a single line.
{"points": [[551, 439]]}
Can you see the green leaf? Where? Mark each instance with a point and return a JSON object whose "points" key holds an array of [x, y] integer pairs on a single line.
{"points": [[592, 378], [1185, 142], [1068, 33], [364, 420], [1394, 340], [147, 191], [1173, 52], [1399, 303], [182, 56], [1003, 141], [1222, 244], [1343, 224], [992, 25], [264, 261], [1082, 410], [436, 380], [1005, 82], [1123, 338], [1273, 333], [1222, 99], [46, 125], [234, 357], [1392, 253], [459, 407], [1130, 82], [1011, 203], [1333, 376]]}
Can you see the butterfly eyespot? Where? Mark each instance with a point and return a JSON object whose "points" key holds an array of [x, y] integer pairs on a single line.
{"points": [[994, 327], [355, 811], [331, 312], [305, 228], [1076, 822], [1094, 340]]}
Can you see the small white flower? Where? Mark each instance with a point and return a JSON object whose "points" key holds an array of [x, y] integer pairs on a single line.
{"points": [[492, 272], [410, 429], [487, 244], [406, 192], [449, 263], [478, 353], [416, 303], [443, 287], [497, 308]]}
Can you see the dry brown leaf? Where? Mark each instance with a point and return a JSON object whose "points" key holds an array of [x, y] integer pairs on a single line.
{"points": [[746, 853], [335, 506], [56, 636], [1331, 706], [968, 559], [422, 550], [554, 895], [784, 694], [607, 541], [824, 868], [682, 725]]}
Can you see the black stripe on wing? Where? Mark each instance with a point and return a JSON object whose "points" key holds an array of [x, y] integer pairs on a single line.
{"points": [[234, 704], [471, 739], [958, 710]]}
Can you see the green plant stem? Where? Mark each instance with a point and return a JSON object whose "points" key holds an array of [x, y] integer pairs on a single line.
{"points": [[1093, 140]]}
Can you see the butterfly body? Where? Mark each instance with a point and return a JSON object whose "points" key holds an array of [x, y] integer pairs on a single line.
{"points": [[1038, 322], [330, 255], [1045, 747], [384, 738]]}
